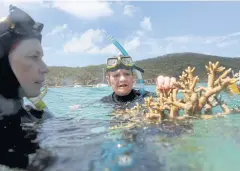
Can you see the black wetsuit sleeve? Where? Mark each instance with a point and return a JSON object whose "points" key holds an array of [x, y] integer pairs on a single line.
{"points": [[148, 94], [48, 114], [33, 115], [110, 98], [107, 99], [16, 142]]}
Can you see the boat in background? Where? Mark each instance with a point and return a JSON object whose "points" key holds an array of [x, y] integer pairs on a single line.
{"points": [[103, 84], [77, 86]]}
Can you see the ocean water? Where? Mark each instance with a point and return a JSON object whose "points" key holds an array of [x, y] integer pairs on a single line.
{"points": [[81, 141]]}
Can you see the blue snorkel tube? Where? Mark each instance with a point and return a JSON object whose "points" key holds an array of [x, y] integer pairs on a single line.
{"points": [[140, 82]]}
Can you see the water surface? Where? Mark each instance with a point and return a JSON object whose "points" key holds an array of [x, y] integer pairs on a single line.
{"points": [[82, 141]]}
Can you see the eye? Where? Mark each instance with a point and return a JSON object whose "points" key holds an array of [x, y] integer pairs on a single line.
{"points": [[116, 75], [35, 57], [127, 74]]}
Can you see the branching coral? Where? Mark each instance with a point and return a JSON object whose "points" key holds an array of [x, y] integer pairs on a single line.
{"points": [[196, 102]]}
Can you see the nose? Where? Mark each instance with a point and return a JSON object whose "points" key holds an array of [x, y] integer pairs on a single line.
{"points": [[122, 78], [44, 69]]}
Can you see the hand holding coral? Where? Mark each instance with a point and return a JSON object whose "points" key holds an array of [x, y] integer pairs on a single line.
{"points": [[165, 83]]}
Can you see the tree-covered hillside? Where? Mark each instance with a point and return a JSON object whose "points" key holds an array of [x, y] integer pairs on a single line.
{"points": [[170, 65]]}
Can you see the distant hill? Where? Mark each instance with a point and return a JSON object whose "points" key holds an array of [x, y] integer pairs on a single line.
{"points": [[169, 65]]}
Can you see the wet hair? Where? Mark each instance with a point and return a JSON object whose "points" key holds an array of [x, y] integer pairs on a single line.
{"points": [[9, 85]]}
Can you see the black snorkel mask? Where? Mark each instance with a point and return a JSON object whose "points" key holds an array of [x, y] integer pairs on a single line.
{"points": [[16, 26]]}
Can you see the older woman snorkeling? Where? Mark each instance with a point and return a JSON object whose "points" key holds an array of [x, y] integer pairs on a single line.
{"points": [[120, 77], [22, 72]]}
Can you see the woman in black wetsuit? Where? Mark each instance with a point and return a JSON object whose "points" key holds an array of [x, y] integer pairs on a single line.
{"points": [[132, 144], [120, 78], [22, 73]]}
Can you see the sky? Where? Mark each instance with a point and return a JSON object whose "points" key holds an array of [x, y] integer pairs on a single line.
{"points": [[75, 32]]}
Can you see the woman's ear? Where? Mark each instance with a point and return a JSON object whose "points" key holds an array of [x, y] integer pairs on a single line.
{"points": [[108, 79], [135, 79]]}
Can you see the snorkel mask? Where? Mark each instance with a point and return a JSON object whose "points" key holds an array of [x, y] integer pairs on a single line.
{"points": [[121, 62], [16, 26]]}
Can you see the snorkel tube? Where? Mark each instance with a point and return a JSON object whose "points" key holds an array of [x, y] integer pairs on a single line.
{"points": [[140, 82], [37, 101], [235, 87]]}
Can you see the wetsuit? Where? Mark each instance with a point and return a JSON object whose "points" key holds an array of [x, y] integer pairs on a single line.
{"points": [[16, 143], [33, 115], [127, 101]]}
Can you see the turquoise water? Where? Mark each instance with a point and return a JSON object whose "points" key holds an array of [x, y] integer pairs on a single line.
{"points": [[82, 141]]}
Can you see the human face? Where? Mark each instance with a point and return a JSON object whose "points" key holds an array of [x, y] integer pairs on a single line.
{"points": [[28, 66], [121, 81]]}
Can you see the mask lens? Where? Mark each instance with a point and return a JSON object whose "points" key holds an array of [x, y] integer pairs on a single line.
{"points": [[112, 62], [38, 27], [127, 60]]}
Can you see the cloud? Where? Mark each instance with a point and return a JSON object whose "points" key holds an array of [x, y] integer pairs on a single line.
{"points": [[227, 43], [132, 44], [216, 45], [129, 10], [90, 9], [4, 10], [57, 30], [90, 42], [85, 42], [26, 5], [94, 46], [94, 42], [93, 9], [231, 38], [141, 44], [140, 32], [107, 50], [146, 24], [19, 1]]}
